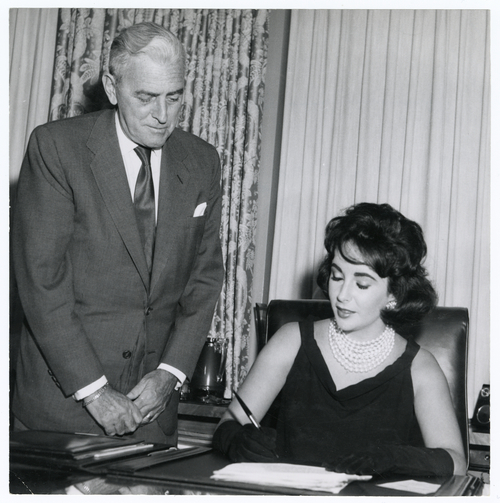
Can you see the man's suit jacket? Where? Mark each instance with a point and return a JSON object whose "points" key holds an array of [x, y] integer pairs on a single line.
{"points": [[91, 308]]}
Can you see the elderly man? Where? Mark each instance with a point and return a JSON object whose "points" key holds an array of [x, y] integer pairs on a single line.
{"points": [[117, 253]]}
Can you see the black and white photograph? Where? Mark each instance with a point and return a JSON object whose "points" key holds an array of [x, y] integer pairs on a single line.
{"points": [[251, 249]]}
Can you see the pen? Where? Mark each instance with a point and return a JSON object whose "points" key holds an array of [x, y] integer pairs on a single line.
{"points": [[247, 411], [254, 421]]}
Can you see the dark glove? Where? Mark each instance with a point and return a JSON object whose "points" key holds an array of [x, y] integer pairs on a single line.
{"points": [[394, 459], [245, 443]]}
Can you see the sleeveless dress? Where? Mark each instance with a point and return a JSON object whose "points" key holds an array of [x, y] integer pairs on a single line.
{"points": [[315, 420]]}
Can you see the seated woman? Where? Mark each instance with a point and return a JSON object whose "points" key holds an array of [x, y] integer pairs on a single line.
{"points": [[356, 397]]}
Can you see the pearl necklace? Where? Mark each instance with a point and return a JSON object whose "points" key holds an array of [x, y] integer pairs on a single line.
{"points": [[357, 356]]}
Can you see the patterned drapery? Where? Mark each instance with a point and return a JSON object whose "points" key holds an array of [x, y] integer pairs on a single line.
{"points": [[226, 52]]}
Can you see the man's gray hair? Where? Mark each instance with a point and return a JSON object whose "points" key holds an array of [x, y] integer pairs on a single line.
{"points": [[151, 39]]}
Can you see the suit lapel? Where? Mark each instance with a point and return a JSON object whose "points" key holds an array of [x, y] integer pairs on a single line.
{"points": [[174, 180], [111, 178]]}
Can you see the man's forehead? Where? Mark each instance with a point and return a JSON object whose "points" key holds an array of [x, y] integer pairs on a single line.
{"points": [[147, 75], [143, 59]]}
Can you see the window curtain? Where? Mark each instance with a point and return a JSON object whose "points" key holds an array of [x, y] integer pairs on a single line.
{"points": [[226, 52], [32, 44], [390, 106]]}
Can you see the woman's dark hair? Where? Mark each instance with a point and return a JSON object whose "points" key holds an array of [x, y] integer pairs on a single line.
{"points": [[390, 244]]}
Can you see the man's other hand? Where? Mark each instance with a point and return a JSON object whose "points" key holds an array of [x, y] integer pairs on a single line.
{"points": [[152, 393], [116, 413]]}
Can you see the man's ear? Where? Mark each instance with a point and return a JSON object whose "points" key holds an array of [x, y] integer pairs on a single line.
{"points": [[109, 84]]}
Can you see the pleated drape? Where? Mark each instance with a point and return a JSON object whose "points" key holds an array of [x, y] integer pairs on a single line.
{"points": [[32, 40], [390, 106]]}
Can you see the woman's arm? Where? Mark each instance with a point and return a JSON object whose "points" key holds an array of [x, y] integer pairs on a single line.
{"points": [[434, 409], [267, 375], [234, 436]]}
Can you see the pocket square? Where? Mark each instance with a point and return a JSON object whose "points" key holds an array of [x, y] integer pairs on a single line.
{"points": [[200, 210]]}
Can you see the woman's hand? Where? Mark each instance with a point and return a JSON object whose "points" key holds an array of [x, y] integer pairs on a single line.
{"points": [[242, 443]]}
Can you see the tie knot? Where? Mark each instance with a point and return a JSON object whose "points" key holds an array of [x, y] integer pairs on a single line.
{"points": [[144, 154]]}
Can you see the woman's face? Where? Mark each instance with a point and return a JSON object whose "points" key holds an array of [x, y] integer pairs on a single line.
{"points": [[357, 294]]}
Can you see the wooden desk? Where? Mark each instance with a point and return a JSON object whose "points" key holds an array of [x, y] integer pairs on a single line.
{"points": [[191, 476], [197, 422], [200, 409]]}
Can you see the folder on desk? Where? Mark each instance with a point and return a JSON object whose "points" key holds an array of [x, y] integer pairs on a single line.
{"points": [[78, 450], [92, 453], [134, 465], [72, 445]]}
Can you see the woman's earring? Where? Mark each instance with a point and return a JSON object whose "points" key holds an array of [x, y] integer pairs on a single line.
{"points": [[391, 305]]}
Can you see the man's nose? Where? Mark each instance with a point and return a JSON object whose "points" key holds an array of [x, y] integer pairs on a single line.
{"points": [[160, 111]]}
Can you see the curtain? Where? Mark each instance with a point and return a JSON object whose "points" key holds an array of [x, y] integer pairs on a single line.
{"points": [[390, 106], [226, 52], [32, 44]]}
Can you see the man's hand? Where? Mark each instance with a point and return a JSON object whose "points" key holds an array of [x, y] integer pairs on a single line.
{"points": [[116, 413], [152, 393]]}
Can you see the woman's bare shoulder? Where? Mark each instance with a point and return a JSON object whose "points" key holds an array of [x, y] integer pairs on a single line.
{"points": [[425, 367], [288, 334], [425, 359], [281, 349]]}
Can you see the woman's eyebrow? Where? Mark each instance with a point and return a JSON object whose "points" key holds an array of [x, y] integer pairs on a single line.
{"points": [[356, 274], [335, 266], [364, 274]]}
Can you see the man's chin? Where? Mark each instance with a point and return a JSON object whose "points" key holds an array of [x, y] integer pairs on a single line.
{"points": [[152, 138], [156, 142]]}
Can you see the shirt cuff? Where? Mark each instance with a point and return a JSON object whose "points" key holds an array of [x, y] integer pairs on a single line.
{"points": [[176, 372], [88, 390]]}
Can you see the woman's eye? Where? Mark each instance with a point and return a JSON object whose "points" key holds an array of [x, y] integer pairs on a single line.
{"points": [[335, 278], [363, 287]]}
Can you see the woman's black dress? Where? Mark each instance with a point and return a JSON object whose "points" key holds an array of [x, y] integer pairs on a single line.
{"points": [[315, 420]]}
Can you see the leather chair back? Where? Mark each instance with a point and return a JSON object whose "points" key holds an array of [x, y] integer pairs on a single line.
{"points": [[443, 332]]}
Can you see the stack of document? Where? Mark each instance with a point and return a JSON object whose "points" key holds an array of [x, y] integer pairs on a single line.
{"points": [[78, 450], [313, 478], [77, 446]]}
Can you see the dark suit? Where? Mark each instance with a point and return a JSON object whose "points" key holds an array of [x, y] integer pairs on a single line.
{"points": [[90, 307]]}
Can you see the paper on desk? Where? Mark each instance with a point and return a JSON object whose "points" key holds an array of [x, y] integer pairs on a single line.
{"points": [[413, 486], [287, 475]]}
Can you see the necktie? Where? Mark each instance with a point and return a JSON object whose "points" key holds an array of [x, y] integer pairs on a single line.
{"points": [[144, 203]]}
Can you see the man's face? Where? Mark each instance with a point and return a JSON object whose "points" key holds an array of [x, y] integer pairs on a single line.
{"points": [[149, 98]]}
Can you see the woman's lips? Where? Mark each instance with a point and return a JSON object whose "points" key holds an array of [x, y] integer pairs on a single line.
{"points": [[343, 313]]}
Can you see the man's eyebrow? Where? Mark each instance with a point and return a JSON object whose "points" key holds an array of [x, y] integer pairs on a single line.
{"points": [[179, 91], [148, 93]]}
